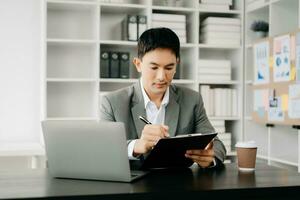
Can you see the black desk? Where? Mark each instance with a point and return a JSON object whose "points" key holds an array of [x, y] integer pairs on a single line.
{"points": [[266, 183]]}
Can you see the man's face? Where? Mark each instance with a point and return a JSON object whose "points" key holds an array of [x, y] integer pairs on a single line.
{"points": [[157, 68]]}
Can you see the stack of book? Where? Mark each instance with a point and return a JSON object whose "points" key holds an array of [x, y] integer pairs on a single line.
{"points": [[175, 22], [133, 26], [217, 5], [220, 102], [221, 31], [225, 137], [112, 1], [114, 64], [219, 70]]}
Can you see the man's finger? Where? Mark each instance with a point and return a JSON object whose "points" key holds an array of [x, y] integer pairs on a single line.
{"points": [[210, 145]]}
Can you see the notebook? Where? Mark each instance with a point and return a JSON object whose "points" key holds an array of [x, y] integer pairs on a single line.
{"points": [[86, 149]]}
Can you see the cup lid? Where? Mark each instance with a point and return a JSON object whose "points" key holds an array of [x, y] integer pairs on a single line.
{"points": [[246, 144]]}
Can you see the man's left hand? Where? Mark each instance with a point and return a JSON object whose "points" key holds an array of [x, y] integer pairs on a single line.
{"points": [[203, 157]]}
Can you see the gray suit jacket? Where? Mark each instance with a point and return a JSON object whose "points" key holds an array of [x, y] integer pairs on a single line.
{"points": [[185, 113]]}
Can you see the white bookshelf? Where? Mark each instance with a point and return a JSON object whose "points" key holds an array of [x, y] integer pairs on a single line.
{"points": [[279, 144], [78, 30]]}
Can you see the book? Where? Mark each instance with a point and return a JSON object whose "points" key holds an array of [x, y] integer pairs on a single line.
{"points": [[220, 27], [104, 64], [170, 25], [221, 34], [234, 103], [114, 65], [214, 70], [221, 20], [216, 77], [211, 38], [222, 42], [168, 17], [142, 24], [214, 63], [130, 28], [229, 2], [124, 64], [215, 7]]}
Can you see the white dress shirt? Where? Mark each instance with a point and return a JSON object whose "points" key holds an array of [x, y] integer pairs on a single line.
{"points": [[154, 115]]}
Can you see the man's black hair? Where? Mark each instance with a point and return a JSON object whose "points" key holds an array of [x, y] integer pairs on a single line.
{"points": [[158, 38]]}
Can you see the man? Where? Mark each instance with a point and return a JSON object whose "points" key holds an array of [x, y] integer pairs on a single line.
{"points": [[172, 110]]}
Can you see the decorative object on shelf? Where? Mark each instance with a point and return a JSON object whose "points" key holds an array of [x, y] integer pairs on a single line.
{"points": [[261, 28]]}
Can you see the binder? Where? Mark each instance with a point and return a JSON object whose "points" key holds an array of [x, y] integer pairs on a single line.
{"points": [[124, 64], [129, 28], [104, 64], [142, 24], [114, 65], [169, 152]]}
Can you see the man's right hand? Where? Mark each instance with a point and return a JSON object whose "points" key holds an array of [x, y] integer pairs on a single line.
{"points": [[151, 134]]}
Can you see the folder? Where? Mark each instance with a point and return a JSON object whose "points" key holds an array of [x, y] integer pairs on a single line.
{"points": [[104, 64], [130, 28], [114, 65], [124, 64], [170, 152], [142, 24]]}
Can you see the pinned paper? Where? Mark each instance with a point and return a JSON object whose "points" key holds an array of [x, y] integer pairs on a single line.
{"points": [[284, 102], [293, 73], [271, 61], [293, 47]]}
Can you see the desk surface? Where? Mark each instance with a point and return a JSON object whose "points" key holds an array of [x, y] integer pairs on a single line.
{"points": [[265, 183]]}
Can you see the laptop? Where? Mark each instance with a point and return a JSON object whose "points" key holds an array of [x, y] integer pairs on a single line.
{"points": [[86, 149]]}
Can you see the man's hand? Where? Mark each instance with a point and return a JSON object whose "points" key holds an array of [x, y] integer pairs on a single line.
{"points": [[150, 136], [203, 158]]}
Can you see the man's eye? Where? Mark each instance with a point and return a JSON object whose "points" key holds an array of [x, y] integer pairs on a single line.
{"points": [[169, 68], [154, 68]]}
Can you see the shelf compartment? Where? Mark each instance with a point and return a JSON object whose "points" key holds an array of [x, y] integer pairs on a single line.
{"points": [[284, 17], [71, 60], [71, 21], [234, 55], [261, 14], [112, 17], [71, 99]]}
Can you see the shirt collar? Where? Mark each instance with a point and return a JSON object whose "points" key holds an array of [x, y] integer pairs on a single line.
{"points": [[164, 102]]}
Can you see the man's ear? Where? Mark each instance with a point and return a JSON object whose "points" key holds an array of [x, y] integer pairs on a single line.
{"points": [[137, 64]]}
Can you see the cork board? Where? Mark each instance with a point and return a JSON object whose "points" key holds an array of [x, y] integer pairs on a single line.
{"points": [[275, 88]]}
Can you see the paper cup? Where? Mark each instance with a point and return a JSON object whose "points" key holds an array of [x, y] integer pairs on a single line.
{"points": [[246, 155]]}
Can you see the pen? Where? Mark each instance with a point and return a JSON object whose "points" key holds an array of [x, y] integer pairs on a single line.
{"points": [[144, 120]]}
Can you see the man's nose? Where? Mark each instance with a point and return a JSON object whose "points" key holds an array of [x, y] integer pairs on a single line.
{"points": [[161, 74]]}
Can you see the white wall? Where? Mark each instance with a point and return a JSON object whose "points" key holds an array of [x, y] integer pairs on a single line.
{"points": [[20, 71]]}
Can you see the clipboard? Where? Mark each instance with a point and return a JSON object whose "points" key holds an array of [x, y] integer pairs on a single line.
{"points": [[169, 152]]}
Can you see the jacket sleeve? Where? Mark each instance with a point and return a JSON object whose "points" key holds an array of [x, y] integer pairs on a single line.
{"points": [[203, 125], [106, 112]]}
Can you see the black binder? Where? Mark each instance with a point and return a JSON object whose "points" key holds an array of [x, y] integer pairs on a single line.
{"points": [[114, 65], [104, 64], [170, 152], [124, 64]]}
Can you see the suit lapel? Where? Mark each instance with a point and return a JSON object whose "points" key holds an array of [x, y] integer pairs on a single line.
{"points": [[138, 108], [172, 113]]}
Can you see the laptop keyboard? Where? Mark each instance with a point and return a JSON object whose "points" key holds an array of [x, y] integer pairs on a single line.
{"points": [[134, 175]]}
